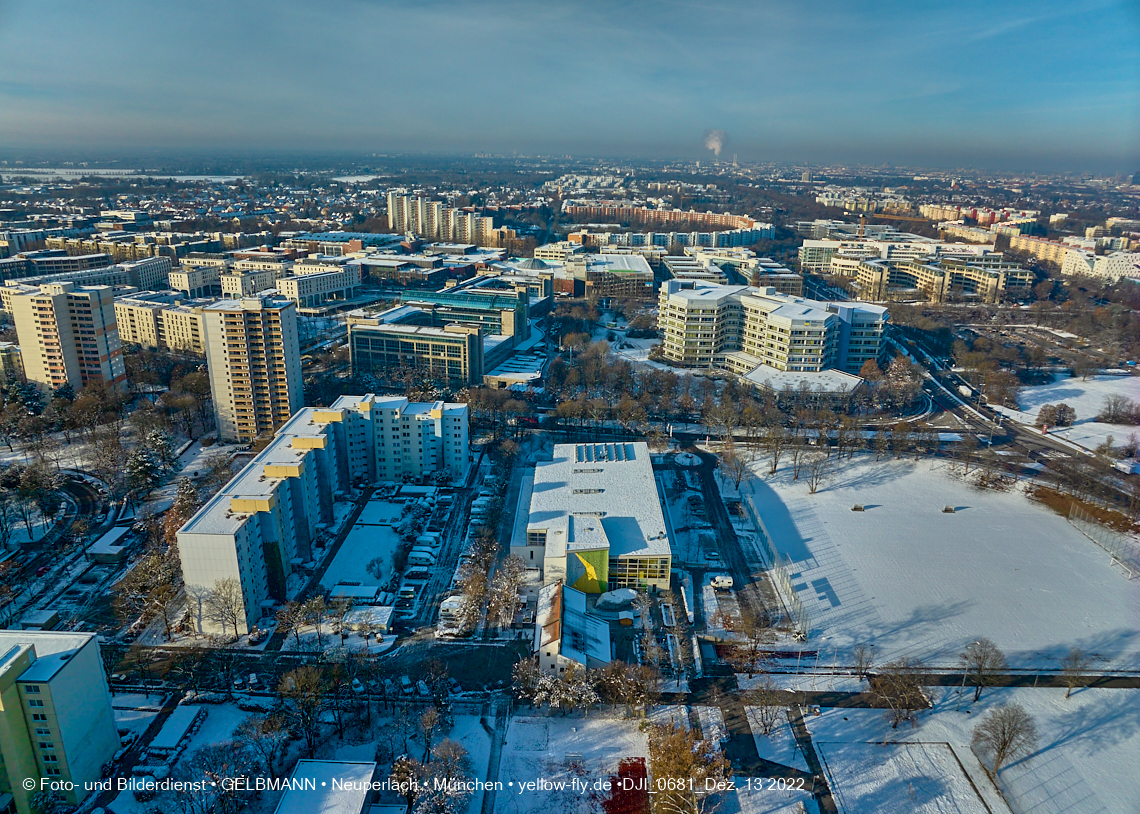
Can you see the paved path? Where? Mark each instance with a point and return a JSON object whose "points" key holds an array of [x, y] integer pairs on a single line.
{"points": [[500, 733]]}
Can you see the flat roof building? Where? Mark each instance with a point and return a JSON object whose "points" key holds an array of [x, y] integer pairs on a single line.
{"points": [[55, 709], [594, 519]]}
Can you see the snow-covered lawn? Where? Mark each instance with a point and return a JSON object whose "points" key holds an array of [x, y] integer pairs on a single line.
{"points": [[923, 778], [1085, 762], [778, 747], [1087, 398], [912, 580], [361, 546]]}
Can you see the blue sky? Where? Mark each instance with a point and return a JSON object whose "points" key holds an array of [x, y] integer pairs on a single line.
{"points": [[1016, 85]]}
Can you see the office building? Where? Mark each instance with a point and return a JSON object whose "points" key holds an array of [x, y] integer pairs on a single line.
{"points": [[56, 712], [611, 275], [703, 325], [398, 340], [592, 518], [254, 360], [815, 255], [68, 334], [313, 285], [259, 528]]}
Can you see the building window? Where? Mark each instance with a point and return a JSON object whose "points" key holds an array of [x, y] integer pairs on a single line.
{"points": [[31, 688], [35, 702], [536, 538]]}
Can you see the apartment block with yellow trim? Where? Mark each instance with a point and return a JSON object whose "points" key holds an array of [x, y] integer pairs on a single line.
{"points": [[56, 723], [592, 518], [259, 529]]}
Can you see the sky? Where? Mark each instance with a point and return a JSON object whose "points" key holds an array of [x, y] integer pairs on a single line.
{"points": [[1017, 85]]}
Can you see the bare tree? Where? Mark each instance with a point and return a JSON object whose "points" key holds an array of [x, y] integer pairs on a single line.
{"points": [[1005, 733], [225, 604], [898, 684], [503, 593], [267, 735], [864, 657], [303, 691], [775, 442], [1073, 669], [429, 725], [818, 469], [982, 663], [767, 702], [733, 464]]}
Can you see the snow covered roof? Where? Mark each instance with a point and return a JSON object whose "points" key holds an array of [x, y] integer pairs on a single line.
{"points": [[599, 495], [328, 787], [563, 618]]}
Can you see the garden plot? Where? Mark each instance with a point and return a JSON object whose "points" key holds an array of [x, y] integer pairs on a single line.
{"points": [[912, 580], [1084, 763], [1087, 399], [362, 545]]}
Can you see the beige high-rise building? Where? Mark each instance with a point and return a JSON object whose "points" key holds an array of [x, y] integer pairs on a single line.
{"points": [[56, 723], [68, 334], [254, 359]]}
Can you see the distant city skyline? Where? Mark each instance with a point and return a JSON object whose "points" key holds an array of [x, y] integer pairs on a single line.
{"points": [[1025, 86]]}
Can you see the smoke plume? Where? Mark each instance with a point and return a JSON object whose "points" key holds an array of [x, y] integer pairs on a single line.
{"points": [[715, 141]]}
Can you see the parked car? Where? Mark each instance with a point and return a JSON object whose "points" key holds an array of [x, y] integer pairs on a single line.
{"points": [[454, 686], [422, 689]]}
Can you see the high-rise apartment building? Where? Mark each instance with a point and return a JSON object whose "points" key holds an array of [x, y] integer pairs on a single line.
{"points": [[254, 359], [703, 324], [68, 334], [56, 723], [258, 529]]}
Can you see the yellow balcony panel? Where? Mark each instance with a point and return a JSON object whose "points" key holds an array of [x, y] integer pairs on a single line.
{"points": [[283, 470], [309, 442], [325, 416]]}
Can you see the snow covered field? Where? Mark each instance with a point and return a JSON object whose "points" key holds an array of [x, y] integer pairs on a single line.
{"points": [[1085, 762], [912, 580], [923, 778], [361, 546], [1087, 398]]}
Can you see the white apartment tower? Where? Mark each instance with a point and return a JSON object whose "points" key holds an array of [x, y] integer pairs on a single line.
{"points": [[68, 334], [254, 359], [259, 528]]}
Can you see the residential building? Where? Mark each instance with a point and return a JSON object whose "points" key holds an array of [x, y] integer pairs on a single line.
{"points": [[702, 324], [259, 528], [143, 274], [1113, 267], [985, 279], [57, 722], [254, 360], [815, 255], [49, 261], [245, 283], [592, 517], [1048, 251], [184, 328], [68, 334], [161, 319], [416, 215], [197, 281], [310, 288], [558, 252]]}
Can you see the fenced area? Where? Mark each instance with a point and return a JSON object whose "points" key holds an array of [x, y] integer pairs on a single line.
{"points": [[1124, 550]]}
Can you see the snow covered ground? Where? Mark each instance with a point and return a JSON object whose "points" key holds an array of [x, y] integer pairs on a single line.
{"points": [[361, 546], [553, 748], [1087, 398], [1085, 762], [923, 778], [912, 580], [778, 747]]}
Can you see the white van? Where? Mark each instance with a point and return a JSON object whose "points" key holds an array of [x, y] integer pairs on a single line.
{"points": [[722, 582]]}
